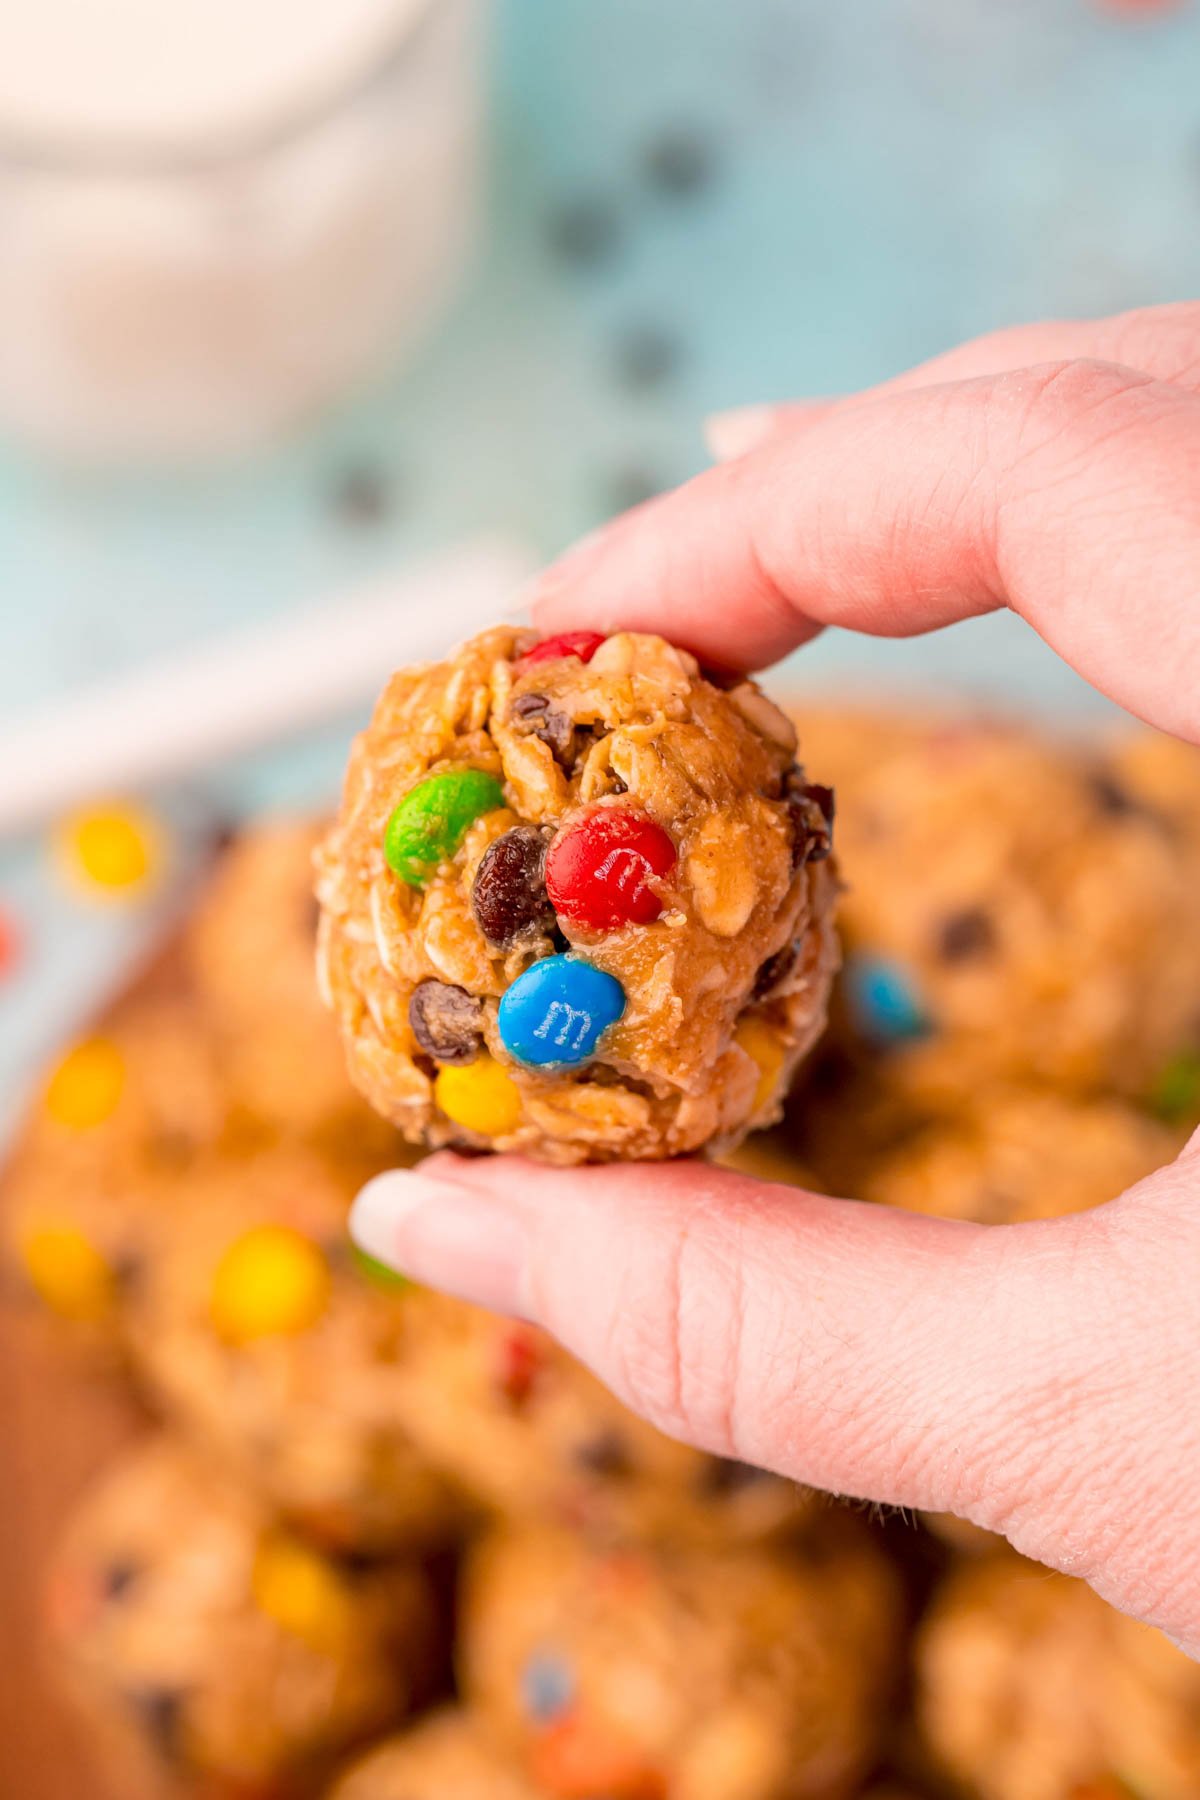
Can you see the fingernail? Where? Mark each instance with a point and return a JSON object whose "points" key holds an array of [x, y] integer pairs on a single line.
{"points": [[444, 1236], [733, 433]]}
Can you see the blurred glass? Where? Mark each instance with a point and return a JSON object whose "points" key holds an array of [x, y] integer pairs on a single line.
{"points": [[167, 297]]}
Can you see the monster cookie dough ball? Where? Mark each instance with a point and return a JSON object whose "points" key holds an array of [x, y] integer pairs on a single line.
{"points": [[220, 1646], [522, 1425], [1031, 1688], [722, 1675], [252, 946], [1023, 1154], [448, 1757], [1011, 915], [88, 1190], [578, 901], [771, 1156], [1148, 768], [279, 1349]]}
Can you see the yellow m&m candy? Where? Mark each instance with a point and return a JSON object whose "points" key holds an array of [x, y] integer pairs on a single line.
{"points": [[272, 1282], [87, 1085], [67, 1272], [762, 1045], [301, 1592], [480, 1096], [112, 850]]}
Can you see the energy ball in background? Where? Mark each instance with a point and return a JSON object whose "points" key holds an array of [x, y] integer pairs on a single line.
{"points": [[521, 1425], [578, 901], [1019, 1155], [722, 1675], [771, 1156], [88, 1190], [280, 1349], [1161, 772], [251, 946], [204, 1642], [447, 1757], [1012, 912], [1031, 1688]]}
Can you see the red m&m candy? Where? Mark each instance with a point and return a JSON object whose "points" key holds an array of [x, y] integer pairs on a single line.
{"points": [[583, 644], [598, 870], [9, 944], [519, 1361]]}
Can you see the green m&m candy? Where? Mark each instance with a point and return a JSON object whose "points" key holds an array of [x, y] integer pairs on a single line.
{"points": [[1176, 1093], [431, 821]]}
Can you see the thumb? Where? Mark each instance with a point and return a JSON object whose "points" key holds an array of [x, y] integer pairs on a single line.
{"points": [[791, 1331], [1007, 1375]]}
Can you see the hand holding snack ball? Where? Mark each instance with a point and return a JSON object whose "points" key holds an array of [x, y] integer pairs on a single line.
{"points": [[578, 902]]}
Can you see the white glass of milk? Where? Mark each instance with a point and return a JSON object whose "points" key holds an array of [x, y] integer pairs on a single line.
{"points": [[217, 215]]}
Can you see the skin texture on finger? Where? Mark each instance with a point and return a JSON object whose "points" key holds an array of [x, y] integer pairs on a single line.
{"points": [[1162, 341], [1070, 492], [1036, 1379]]}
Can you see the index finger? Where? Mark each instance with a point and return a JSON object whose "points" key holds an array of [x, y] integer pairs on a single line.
{"points": [[1069, 492]]}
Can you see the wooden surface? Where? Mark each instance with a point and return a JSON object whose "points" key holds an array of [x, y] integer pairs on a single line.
{"points": [[59, 1424]]}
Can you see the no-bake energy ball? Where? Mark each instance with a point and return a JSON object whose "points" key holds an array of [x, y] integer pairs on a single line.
{"points": [[1025, 1154], [89, 1189], [1014, 911], [578, 901], [281, 1351], [251, 947], [725, 1675], [1031, 1688], [447, 1757], [204, 1641]]}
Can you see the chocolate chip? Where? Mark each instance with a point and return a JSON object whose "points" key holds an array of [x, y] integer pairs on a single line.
{"points": [[584, 230], [445, 1021], [774, 970], [362, 495], [604, 1454], [965, 935], [811, 808], [160, 1714], [725, 679], [722, 1476], [536, 716], [118, 1578], [645, 356], [1114, 799], [509, 895], [129, 1266], [1111, 796], [679, 162]]}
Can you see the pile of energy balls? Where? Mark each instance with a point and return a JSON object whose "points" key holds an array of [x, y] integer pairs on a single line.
{"points": [[580, 901]]}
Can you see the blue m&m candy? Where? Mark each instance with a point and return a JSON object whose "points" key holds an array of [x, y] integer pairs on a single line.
{"points": [[547, 1685], [883, 1001], [555, 1014]]}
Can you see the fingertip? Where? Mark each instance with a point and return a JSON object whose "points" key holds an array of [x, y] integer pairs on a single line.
{"points": [[738, 430], [425, 1224], [374, 1215]]}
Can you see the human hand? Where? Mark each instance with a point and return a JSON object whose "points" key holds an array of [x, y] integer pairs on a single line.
{"points": [[1040, 1380]]}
